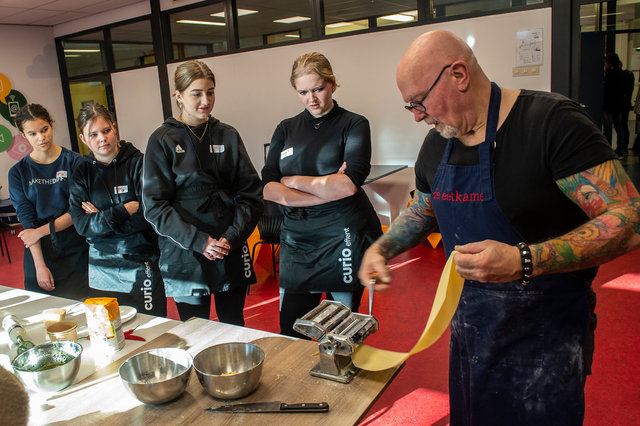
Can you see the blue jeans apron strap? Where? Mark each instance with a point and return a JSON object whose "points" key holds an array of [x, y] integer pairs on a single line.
{"points": [[516, 352]]}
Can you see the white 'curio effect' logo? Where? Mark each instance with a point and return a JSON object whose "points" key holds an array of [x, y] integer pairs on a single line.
{"points": [[345, 260]]}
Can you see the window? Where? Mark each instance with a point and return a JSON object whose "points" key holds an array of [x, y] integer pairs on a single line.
{"points": [[198, 32], [341, 16], [264, 22], [132, 44], [447, 8], [608, 16], [83, 54]]}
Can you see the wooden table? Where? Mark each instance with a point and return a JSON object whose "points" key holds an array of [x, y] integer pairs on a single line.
{"points": [[102, 398]]}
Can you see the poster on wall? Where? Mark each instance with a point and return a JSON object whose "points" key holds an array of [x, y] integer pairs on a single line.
{"points": [[529, 47]]}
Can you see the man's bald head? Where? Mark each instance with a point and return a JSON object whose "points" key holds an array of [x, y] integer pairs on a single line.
{"points": [[431, 51]]}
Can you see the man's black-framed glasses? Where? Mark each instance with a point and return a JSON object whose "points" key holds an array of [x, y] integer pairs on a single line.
{"points": [[418, 106]]}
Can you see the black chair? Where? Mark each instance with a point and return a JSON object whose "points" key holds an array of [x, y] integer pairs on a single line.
{"points": [[8, 220], [4, 227], [269, 228]]}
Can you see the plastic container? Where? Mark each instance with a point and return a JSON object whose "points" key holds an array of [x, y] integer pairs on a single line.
{"points": [[63, 330]]}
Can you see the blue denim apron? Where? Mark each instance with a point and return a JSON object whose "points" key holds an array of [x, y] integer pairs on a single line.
{"points": [[516, 351]]}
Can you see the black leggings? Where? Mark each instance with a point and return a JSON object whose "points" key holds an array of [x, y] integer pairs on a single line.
{"points": [[229, 307], [297, 305]]}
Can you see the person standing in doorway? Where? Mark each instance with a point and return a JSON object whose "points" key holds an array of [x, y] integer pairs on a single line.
{"points": [[616, 103]]}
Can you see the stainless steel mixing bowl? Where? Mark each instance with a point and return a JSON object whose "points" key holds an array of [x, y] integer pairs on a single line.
{"points": [[229, 370], [158, 375], [50, 366]]}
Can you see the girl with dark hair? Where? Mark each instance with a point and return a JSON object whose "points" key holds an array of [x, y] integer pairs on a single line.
{"points": [[105, 207], [55, 256], [203, 197]]}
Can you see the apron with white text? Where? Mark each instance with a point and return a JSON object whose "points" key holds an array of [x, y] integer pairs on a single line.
{"points": [[321, 247]]}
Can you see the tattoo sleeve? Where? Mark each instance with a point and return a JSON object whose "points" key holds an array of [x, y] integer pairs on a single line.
{"points": [[410, 227], [607, 195]]}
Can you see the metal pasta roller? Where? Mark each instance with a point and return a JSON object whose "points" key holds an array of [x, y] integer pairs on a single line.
{"points": [[338, 332]]}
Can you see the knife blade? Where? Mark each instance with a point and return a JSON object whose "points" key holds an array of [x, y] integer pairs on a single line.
{"points": [[272, 407]]}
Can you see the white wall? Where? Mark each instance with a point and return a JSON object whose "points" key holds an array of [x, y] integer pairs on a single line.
{"points": [[29, 61], [138, 115]]}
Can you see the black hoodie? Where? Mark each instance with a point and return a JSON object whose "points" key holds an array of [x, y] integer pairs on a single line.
{"points": [[108, 187], [193, 189]]}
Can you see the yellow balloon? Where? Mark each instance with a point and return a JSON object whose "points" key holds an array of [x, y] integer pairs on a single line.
{"points": [[5, 87]]}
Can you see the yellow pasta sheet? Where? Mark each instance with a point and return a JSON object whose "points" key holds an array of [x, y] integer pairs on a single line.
{"points": [[444, 306]]}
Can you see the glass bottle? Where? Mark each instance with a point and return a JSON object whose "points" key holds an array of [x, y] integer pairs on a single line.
{"points": [[16, 333]]}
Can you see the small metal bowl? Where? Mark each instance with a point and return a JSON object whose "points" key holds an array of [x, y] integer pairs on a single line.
{"points": [[49, 367], [229, 370], [158, 375]]}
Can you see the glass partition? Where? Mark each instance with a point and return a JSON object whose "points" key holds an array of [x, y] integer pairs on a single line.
{"points": [[198, 32], [264, 22], [132, 44], [342, 16], [610, 16], [448, 8], [84, 54]]}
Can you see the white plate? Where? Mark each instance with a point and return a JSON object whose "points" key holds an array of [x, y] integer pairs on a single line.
{"points": [[127, 313]]}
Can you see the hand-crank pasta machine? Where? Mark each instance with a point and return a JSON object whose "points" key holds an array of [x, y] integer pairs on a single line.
{"points": [[338, 332]]}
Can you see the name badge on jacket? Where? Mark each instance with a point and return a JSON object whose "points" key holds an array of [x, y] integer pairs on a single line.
{"points": [[123, 189], [216, 149], [286, 153]]}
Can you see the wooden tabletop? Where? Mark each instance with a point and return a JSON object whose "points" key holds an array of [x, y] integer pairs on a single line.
{"points": [[285, 377]]}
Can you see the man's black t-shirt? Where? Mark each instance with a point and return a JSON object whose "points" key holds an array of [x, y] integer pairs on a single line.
{"points": [[544, 138]]}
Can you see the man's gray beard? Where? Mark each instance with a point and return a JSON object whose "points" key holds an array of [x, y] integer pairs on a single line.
{"points": [[448, 131]]}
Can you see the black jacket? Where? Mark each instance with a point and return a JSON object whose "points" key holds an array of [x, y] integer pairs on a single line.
{"points": [[108, 188], [193, 190]]}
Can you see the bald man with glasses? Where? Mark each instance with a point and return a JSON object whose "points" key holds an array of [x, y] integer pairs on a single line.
{"points": [[530, 195]]}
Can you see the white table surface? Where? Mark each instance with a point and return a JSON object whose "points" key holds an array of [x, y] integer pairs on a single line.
{"points": [[28, 307]]}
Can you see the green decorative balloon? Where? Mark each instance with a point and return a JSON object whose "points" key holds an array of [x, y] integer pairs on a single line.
{"points": [[6, 138], [14, 101]]}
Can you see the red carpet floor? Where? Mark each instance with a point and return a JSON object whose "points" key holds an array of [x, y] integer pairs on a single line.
{"points": [[418, 395]]}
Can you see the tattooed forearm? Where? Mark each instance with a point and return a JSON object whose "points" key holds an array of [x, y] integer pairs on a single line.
{"points": [[409, 228], [606, 194]]}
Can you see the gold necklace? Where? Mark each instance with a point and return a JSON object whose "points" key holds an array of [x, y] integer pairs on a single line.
{"points": [[194, 134]]}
